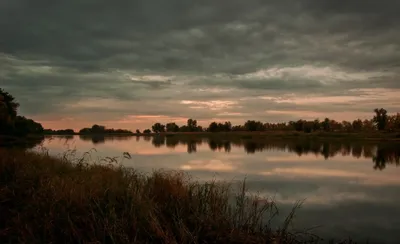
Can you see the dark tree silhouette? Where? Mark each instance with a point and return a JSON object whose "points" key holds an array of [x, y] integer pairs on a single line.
{"points": [[172, 127], [158, 127], [192, 125], [357, 125], [8, 105], [380, 118]]}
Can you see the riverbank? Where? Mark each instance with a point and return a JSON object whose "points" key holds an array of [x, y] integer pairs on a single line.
{"points": [[372, 135], [61, 200]]}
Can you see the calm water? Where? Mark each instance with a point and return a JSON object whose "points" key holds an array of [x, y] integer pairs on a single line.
{"points": [[349, 189]]}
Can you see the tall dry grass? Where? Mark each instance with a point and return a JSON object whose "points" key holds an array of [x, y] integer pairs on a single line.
{"points": [[46, 199]]}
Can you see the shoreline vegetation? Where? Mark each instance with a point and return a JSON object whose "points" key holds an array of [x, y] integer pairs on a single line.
{"points": [[65, 199], [376, 135]]}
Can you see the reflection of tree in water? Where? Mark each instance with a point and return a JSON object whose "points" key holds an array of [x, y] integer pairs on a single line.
{"points": [[172, 142], [368, 151], [100, 138], [191, 146], [251, 147], [385, 155], [158, 141], [22, 143], [325, 150], [219, 144], [357, 151], [137, 138], [381, 153], [95, 139], [306, 147], [346, 149], [227, 146]]}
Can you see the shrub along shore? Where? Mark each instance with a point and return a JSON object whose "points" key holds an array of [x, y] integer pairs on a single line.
{"points": [[45, 199]]}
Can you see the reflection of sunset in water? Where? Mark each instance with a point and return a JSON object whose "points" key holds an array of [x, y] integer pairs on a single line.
{"points": [[209, 165], [337, 180]]}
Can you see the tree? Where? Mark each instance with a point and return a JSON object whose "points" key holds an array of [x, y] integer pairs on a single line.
{"points": [[147, 131], [252, 125], [157, 128], [98, 129], [299, 125], [213, 127], [368, 125], [394, 122], [316, 125], [326, 125], [24, 126], [8, 103], [137, 131], [8, 111], [380, 118], [347, 126], [357, 125], [172, 127], [85, 131], [192, 124], [227, 126]]}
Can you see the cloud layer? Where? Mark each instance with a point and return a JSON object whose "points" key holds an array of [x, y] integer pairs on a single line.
{"points": [[129, 63]]}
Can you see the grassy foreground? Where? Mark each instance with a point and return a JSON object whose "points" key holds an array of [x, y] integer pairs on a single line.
{"points": [[45, 199]]}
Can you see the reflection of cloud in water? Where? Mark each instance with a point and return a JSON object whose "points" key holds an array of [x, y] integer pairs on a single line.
{"points": [[210, 165], [284, 157], [336, 179], [310, 172], [322, 196]]}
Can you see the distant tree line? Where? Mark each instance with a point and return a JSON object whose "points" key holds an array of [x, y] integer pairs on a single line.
{"points": [[100, 129], [59, 132], [13, 124], [381, 122]]}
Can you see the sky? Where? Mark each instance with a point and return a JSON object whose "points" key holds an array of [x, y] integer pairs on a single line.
{"points": [[128, 64]]}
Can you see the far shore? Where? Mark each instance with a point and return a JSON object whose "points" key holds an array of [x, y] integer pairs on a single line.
{"points": [[7, 140], [384, 136]]}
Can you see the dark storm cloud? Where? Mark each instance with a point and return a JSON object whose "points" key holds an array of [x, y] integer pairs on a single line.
{"points": [[74, 50]]}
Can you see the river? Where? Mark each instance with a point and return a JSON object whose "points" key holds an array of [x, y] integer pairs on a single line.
{"points": [[349, 189]]}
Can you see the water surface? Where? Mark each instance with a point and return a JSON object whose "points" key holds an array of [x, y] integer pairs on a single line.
{"points": [[350, 189]]}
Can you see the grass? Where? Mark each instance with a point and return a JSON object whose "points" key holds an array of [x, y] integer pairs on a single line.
{"points": [[58, 200], [65, 199]]}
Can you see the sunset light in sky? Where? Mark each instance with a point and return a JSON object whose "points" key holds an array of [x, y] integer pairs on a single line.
{"points": [[130, 64]]}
